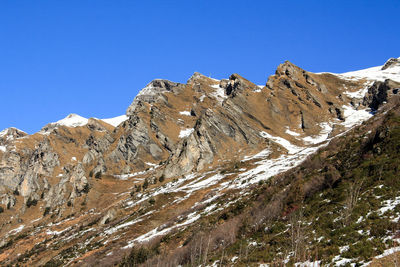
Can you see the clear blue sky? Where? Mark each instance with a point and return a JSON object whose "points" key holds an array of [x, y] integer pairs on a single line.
{"points": [[93, 57]]}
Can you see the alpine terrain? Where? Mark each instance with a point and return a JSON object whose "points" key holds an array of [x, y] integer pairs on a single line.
{"points": [[301, 171]]}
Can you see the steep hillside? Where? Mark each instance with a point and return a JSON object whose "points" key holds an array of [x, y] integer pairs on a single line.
{"points": [[186, 157], [340, 206]]}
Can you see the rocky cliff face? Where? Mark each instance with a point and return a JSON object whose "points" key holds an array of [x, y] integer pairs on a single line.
{"points": [[174, 132]]}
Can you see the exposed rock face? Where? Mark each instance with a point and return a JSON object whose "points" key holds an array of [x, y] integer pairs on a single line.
{"points": [[6, 198], [41, 164], [11, 134], [154, 92], [111, 214], [379, 93]]}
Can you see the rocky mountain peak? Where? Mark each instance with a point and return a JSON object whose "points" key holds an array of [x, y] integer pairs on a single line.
{"points": [[392, 62], [72, 120], [289, 69], [237, 84], [196, 77], [153, 92], [12, 133]]}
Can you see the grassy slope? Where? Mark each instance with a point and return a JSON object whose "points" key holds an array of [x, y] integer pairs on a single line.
{"points": [[327, 209]]}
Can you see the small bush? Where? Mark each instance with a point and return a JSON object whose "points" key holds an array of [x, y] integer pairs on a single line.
{"points": [[136, 257], [145, 184], [46, 211], [31, 202], [86, 189], [152, 201]]}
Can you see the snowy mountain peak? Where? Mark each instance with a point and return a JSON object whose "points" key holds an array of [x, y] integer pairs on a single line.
{"points": [[12, 132], [390, 70], [72, 120]]}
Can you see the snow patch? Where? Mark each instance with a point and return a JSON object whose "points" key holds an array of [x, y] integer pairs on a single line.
{"points": [[323, 135], [17, 230], [358, 94], [116, 228], [219, 93], [389, 205], [185, 132], [375, 73], [267, 168], [3, 148], [292, 149], [288, 131], [261, 155], [49, 232], [354, 117], [192, 217], [185, 113], [308, 264], [116, 120], [388, 252], [199, 184]]}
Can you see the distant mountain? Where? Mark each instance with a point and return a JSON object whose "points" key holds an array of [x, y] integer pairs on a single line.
{"points": [[211, 172]]}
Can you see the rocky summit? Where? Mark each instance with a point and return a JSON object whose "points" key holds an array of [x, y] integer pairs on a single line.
{"points": [[139, 188]]}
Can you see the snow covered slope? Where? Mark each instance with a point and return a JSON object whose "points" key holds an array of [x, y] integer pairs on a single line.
{"points": [[72, 120], [391, 70], [116, 120]]}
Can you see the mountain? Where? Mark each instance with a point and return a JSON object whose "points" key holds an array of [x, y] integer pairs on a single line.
{"points": [[193, 172]]}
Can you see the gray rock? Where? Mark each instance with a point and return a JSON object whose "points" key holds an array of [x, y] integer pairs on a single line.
{"points": [[111, 214], [154, 92], [379, 93]]}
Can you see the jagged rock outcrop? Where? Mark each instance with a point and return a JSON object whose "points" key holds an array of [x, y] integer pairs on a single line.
{"points": [[154, 92], [379, 93], [41, 164], [11, 134]]}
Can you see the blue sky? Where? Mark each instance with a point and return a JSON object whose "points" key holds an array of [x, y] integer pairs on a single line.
{"points": [[93, 57]]}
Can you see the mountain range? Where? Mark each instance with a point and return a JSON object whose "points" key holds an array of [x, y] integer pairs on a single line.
{"points": [[300, 171]]}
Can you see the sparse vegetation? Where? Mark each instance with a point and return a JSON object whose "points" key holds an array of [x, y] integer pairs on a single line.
{"points": [[327, 207], [145, 184], [46, 211], [31, 202], [86, 188]]}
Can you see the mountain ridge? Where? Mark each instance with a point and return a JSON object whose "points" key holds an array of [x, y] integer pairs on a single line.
{"points": [[171, 149]]}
